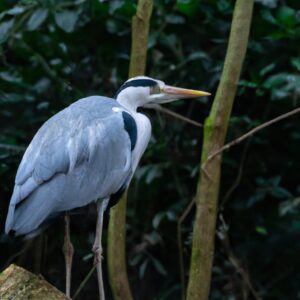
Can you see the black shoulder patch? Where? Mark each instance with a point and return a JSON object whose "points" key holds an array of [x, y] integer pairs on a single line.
{"points": [[130, 127], [136, 83]]}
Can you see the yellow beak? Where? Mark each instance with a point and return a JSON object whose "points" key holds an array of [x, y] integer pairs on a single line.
{"points": [[183, 93]]}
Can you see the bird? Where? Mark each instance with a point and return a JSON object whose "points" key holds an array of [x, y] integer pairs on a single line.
{"points": [[88, 152]]}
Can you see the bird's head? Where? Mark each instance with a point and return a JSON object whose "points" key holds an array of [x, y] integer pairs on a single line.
{"points": [[142, 91]]}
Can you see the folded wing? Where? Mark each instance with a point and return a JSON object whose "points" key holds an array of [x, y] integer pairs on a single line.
{"points": [[79, 155]]}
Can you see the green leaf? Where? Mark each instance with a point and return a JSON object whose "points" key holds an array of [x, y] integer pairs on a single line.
{"points": [[289, 206], [171, 216], [296, 225], [153, 173], [37, 18], [7, 76], [274, 181], [295, 61], [143, 268], [281, 193], [175, 19], [267, 69], [115, 5], [187, 7], [267, 16], [5, 28], [261, 230], [157, 219], [66, 20], [42, 85], [248, 84], [255, 198], [198, 55], [276, 80], [111, 26], [268, 3], [287, 16], [159, 267], [223, 5], [152, 40], [88, 257], [13, 11], [135, 260]]}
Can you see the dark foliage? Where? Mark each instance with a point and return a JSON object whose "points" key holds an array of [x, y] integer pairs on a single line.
{"points": [[54, 52]]}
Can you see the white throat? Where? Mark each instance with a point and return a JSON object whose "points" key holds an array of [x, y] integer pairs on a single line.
{"points": [[133, 97]]}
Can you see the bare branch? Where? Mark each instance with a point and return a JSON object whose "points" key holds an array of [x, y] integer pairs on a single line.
{"points": [[251, 132], [238, 177], [84, 281], [235, 261], [179, 241], [173, 114]]}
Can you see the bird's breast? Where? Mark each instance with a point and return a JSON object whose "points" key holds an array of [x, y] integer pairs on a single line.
{"points": [[143, 136]]}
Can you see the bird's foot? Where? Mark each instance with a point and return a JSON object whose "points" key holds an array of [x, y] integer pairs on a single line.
{"points": [[68, 249], [97, 254]]}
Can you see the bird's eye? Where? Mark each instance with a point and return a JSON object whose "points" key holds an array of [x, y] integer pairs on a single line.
{"points": [[154, 89]]}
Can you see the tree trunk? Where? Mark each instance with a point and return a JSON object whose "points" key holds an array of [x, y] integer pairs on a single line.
{"points": [[214, 135], [116, 233], [140, 32], [18, 284]]}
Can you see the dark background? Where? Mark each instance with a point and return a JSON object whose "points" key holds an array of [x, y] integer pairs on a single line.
{"points": [[54, 52]]}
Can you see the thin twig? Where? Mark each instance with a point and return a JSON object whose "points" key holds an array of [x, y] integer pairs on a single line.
{"points": [[23, 250], [173, 114], [47, 68], [84, 281], [38, 253], [251, 132], [179, 241], [205, 172], [238, 177], [18, 24], [234, 260]]}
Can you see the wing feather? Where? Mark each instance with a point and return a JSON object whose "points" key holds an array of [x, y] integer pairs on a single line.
{"points": [[74, 146]]}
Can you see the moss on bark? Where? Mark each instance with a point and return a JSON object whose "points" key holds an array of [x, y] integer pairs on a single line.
{"points": [[214, 135], [19, 284]]}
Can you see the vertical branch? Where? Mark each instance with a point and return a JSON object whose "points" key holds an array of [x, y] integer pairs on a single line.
{"points": [[116, 232], [214, 135], [116, 255], [140, 32]]}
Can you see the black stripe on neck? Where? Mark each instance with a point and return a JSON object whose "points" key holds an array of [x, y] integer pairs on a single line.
{"points": [[130, 127], [136, 83]]}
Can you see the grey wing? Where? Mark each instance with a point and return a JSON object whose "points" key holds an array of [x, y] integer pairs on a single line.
{"points": [[78, 156]]}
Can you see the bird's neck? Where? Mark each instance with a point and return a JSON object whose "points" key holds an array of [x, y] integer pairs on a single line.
{"points": [[131, 99], [129, 105]]}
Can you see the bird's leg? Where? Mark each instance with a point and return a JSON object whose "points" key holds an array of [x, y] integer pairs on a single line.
{"points": [[68, 252], [97, 247]]}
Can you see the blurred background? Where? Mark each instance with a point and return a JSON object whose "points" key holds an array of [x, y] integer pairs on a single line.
{"points": [[55, 52]]}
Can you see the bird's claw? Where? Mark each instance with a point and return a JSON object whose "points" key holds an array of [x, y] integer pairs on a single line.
{"points": [[97, 255]]}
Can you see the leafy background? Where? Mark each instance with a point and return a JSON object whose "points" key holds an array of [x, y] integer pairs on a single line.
{"points": [[54, 52]]}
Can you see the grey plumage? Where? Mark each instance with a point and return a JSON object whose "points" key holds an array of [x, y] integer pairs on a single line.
{"points": [[79, 145], [87, 152]]}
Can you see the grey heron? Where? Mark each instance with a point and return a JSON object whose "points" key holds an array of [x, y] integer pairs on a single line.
{"points": [[86, 152]]}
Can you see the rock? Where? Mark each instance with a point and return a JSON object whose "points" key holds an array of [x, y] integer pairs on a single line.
{"points": [[18, 284]]}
